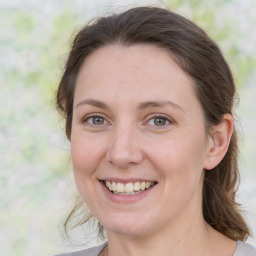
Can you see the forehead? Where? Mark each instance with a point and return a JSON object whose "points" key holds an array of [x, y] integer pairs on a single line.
{"points": [[139, 58], [138, 72]]}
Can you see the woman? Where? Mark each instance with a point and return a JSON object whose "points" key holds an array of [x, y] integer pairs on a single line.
{"points": [[148, 101]]}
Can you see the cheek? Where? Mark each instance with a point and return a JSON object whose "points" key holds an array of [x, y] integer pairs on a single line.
{"points": [[85, 159], [85, 154], [179, 157]]}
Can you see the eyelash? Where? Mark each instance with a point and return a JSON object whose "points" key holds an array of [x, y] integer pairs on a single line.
{"points": [[159, 116], [163, 117], [87, 118]]}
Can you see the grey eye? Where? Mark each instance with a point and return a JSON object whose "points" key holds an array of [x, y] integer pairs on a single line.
{"points": [[160, 121], [98, 120], [95, 120]]}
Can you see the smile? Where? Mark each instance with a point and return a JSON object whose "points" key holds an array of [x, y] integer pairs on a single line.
{"points": [[129, 188]]}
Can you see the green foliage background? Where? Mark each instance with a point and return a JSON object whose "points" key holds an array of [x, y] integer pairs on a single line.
{"points": [[35, 174]]}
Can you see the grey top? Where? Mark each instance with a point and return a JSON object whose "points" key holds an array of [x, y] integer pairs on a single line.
{"points": [[93, 251], [243, 249]]}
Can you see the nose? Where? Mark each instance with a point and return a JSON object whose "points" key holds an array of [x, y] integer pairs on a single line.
{"points": [[124, 149]]}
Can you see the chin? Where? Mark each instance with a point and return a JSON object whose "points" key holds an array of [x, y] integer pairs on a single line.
{"points": [[128, 231], [129, 228]]}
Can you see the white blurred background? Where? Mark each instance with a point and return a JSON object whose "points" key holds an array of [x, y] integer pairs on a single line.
{"points": [[36, 184]]}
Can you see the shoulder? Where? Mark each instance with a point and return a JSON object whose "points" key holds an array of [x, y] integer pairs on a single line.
{"points": [[93, 251], [244, 249]]}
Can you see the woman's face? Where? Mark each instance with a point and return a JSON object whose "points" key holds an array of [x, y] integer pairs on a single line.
{"points": [[138, 130]]}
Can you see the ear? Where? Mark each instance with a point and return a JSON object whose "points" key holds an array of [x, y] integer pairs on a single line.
{"points": [[219, 142]]}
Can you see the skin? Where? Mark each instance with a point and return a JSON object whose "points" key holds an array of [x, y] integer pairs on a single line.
{"points": [[116, 84]]}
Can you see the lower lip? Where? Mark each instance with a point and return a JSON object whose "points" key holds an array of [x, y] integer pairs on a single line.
{"points": [[125, 198]]}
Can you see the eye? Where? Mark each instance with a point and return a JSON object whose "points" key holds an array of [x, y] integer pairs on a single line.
{"points": [[95, 120], [160, 121]]}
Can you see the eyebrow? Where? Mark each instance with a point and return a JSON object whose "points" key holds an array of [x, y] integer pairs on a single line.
{"points": [[155, 104], [141, 106], [92, 102]]}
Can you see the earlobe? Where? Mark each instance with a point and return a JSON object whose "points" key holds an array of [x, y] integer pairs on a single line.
{"points": [[219, 142]]}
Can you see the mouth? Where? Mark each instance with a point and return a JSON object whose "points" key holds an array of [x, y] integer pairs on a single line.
{"points": [[130, 188]]}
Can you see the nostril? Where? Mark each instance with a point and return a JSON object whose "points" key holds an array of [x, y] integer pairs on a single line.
{"points": [[123, 158], [124, 149]]}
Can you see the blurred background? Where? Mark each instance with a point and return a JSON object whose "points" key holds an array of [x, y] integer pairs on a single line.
{"points": [[36, 183]]}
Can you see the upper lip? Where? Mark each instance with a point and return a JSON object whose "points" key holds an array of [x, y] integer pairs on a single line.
{"points": [[122, 180]]}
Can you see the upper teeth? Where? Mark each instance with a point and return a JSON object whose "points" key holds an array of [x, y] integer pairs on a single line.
{"points": [[128, 187]]}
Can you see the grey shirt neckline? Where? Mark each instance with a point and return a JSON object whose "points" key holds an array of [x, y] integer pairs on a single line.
{"points": [[242, 249]]}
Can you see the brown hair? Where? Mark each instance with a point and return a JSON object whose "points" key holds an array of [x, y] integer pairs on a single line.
{"points": [[202, 60]]}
